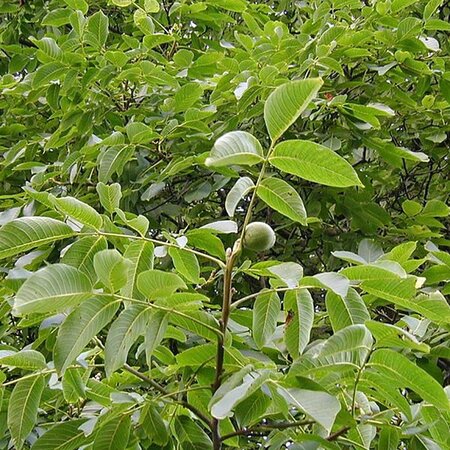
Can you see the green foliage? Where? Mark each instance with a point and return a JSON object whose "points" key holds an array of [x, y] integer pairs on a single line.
{"points": [[141, 141]]}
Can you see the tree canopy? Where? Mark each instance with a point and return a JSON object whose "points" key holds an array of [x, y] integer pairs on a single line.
{"points": [[142, 304]]}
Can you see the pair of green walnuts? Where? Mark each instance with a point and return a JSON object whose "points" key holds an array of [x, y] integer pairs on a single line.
{"points": [[258, 237]]}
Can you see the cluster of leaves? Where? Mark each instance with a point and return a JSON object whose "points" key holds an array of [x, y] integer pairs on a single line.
{"points": [[138, 139]]}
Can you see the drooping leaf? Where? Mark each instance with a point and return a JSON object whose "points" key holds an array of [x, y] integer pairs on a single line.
{"points": [[186, 264], [236, 147], [140, 253], [23, 408], [114, 434], [299, 306], [407, 374], [112, 161], [346, 311], [26, 233], [153, 424], [282, 197], [240, 189], [265, 316], [80, 326], [285, 104], [156, 329], [81, 254], [314, 162], [124, 332], [52, 289], [190, 435]]}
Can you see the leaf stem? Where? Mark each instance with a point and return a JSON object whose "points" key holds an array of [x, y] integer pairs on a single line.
{"points": [[251, 296], [158, 242]]}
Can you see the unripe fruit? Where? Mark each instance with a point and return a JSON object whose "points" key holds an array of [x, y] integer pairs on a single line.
{"points": [[259, 237]]}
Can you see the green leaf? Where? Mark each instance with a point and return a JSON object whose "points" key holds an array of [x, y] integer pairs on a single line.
{"points": [[385, 270], [398, 291], [156, 329], [26, 233], [153, 424], [140, 253], [285, 104], [387, 335], [156, 283], [187, 96], [314, 162], [190, 435], [125, 330], [81, 254], [299, 306], [139, 133], [112, 161], [283, 198], [79, 210], [289, 273], [186, 264], [389, 439], [236, 389], [346, 311], [240, 189], [23, 408], [236, 147], [191, 323], [151, 6], [265, 316], [97, 30], [398, 5], [207, 241], [321, 406], [139, 223], [24, 359], [56, 18], [80, 5], [74, 389], [408, 375], [335, 282], [109, 195], [52, 289], [114, 434], [80, 326], [62, 436], [348, 347], [48, 72], [111, 268]]}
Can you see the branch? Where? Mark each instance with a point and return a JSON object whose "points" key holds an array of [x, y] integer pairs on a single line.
{"points": [[172, 395], [264, 429]]}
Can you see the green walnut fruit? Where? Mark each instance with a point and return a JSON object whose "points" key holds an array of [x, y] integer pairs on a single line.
{"points": [[258, 237]]}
